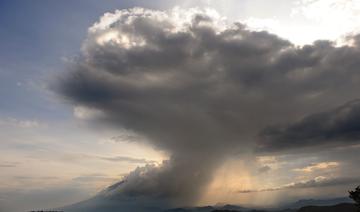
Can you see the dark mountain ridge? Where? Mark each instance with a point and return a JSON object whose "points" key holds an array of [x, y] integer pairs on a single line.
{"points": [[103, 203], [342, 207]]}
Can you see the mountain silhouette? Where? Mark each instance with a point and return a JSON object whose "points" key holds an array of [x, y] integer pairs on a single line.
{"points": [[343, 207]]}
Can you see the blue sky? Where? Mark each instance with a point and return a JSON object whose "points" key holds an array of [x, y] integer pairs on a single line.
{"points": [[38, 34], [36, 37]]}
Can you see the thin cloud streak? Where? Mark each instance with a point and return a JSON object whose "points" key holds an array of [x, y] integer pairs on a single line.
{"points": [[8, 164], [126, 159], [313, 183], [318, 166]]}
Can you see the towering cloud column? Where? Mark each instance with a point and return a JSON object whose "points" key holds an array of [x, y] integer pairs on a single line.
{"points": [[201, 89]]}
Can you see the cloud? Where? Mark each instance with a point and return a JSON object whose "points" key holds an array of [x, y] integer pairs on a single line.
{"points": [[330, 12], [127, 137], [124, 137], [75, 157], [339, 126], [320, 17], [7, 164], [264, 169], [202, 89], [126, 159], [322, 182], [319, 181], [79, 157], [93, 178], [148, 182], [318, 166], [21, 123], [85, 113]]}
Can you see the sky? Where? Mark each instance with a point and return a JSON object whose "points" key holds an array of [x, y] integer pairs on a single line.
{"points": [[252, 117]]}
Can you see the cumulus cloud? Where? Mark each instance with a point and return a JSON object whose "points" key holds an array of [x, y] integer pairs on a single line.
{"points": [[202, 88]]}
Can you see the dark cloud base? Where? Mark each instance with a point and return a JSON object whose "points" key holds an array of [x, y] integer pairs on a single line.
{"points": [[340, 126]]}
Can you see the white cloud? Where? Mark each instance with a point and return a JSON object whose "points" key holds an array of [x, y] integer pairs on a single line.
{"points": [[335, 17], [330, 12], [311, 20]]}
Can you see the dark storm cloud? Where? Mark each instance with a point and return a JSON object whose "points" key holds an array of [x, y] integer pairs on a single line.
{"points": [[201, 88], [340, 126]]}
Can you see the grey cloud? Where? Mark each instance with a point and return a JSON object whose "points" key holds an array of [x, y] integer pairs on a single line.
{"points": [[7, 164], [339, 126], [126, 138], [148, 182], [20, 123], [35, 178], [264, 169], [313, 183], [79, 157], [76, 157], [201, 89], [91, 178], [126, 159], [324, 182]]}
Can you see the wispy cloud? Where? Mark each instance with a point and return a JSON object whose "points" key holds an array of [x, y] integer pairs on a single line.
{"points": [[91, 178], [125, 137], [86, 113], [319, 181], [318, 166], [22, 123], [126, 159], [264, 169], [8, 164]]}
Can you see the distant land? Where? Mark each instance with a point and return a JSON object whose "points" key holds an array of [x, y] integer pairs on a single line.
{"points": [[342, 204]]}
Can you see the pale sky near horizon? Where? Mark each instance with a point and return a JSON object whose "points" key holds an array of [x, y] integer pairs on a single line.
{"points": [[52, 154]]}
